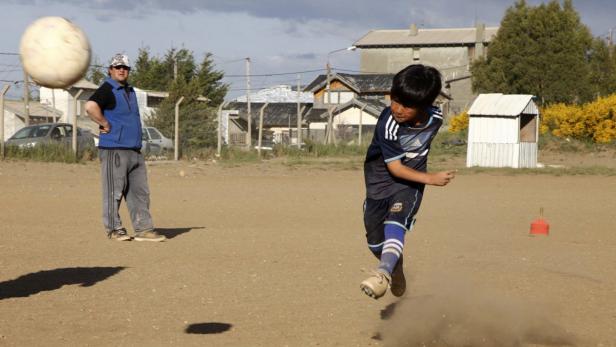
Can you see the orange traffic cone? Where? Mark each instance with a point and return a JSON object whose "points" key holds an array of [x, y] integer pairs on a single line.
{"points": [[540, 226]]}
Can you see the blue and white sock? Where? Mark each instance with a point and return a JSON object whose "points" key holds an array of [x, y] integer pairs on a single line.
{"points": [[392, 247]]}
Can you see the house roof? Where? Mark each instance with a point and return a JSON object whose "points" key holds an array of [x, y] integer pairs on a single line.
{"points": [[505, 105], [84, 84], [370, 106], [36, 109], [275, 114], [424, 37], [359, 83]]}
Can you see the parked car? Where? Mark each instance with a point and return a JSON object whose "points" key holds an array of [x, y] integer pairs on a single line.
{"points": [[153, 142], [50, 133]]}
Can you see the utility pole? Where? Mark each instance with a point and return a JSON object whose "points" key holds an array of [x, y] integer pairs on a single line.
{"points": [[2, 93], [249, 114], [175, 66], [26, 99], [219, 132], [329, 132], [75, 104], [261, 128], [53, 104], [299, 113], [176, 152]]}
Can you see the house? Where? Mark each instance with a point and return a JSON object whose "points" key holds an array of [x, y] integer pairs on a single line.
{"points": [[503, 131], [354, 100], [63, 99], [279, 121], [279, 116], [449, 50], [14, 115]]}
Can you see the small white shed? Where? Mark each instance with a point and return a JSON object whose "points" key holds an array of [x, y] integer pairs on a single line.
{"points": [[503, 131]]}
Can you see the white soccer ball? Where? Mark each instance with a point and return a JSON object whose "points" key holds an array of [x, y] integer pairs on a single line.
{"points": [[54, 52]]}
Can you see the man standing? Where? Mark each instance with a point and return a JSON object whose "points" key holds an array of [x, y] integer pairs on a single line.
{"points": [[114, 108]]}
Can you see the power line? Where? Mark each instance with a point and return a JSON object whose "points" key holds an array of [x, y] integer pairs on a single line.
{"points": [[277, 74]]}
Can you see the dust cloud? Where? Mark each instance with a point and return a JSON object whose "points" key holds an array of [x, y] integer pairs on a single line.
{"points": [[457, 314]]}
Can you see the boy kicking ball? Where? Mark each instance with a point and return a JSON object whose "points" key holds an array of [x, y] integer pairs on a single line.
{"points": [[395, 172]]}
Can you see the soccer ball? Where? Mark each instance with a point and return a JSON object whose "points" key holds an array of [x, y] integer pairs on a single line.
{"points": [[54, 52]]}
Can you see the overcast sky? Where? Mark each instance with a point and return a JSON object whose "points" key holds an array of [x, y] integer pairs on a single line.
{"points": [[280, 36]]}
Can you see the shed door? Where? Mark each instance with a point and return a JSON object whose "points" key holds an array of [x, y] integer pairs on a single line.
{"points": [[528, 128]]}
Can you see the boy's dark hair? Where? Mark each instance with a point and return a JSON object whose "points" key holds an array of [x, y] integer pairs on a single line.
{"points": [[416, 85]]}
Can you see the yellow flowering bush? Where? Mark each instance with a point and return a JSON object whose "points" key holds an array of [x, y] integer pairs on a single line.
{"points": [[458, 122], [595, 120]]}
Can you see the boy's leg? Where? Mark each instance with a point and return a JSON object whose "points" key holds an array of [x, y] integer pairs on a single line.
{"points": [[398, 219], [138, 200], [113, 177], [375, 212]]}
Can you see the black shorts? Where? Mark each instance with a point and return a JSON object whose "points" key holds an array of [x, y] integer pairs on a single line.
{"points": [[398, 209]]}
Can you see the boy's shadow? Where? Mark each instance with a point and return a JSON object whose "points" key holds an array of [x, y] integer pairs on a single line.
{"points": [[46, 280], [173, 232]]}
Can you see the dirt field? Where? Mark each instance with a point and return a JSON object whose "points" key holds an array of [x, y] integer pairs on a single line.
{"points": [[265, 255]]}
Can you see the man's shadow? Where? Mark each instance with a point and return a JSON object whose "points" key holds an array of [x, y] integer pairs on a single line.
{"points": [[173, 232], [46, 280], [208, 328]]}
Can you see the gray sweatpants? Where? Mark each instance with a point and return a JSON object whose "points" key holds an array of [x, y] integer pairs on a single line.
{"points": [[123, 174]]}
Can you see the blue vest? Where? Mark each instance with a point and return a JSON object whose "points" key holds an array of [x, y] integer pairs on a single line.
{"points": [[124, 119]]}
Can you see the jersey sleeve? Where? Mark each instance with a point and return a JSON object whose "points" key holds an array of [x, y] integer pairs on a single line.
{"points": [[104, 97], [387, 132]]}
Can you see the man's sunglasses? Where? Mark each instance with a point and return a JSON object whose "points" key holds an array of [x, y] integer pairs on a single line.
{"points": [[121, 67]]}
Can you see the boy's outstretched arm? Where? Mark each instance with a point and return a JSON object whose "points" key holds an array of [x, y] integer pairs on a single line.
{"points": [[397, 169]]}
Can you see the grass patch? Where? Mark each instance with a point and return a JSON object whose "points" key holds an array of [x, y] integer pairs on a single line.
{"points": [[51, 153]]}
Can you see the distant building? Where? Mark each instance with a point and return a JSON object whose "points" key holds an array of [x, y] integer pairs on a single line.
{"points": [[279, 117], [449, 50], [355, 100], [14, 115]]}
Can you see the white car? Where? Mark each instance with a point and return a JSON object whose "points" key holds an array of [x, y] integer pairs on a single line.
{"points": [[153, 142]]}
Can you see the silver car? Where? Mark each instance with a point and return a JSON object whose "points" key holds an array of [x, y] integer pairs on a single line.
{"points": [[50, 133], [154, 142]]}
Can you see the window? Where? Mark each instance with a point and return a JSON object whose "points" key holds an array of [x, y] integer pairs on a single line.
{"points": [[68, 130], [154, 135], [41, 131], [24, 133]]}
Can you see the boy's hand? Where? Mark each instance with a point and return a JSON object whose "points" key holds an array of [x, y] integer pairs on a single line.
{"points": [[441, 178]]}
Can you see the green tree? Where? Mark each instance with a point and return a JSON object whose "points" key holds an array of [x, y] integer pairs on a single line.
{"points": [[602, 65], [193, 82], [539, 50], [97, 72]]}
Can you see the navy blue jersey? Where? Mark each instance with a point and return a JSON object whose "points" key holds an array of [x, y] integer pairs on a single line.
{"points": [[398, 141]]}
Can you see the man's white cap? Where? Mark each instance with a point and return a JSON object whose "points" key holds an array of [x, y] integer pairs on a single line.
{"points": [[119, 60]]}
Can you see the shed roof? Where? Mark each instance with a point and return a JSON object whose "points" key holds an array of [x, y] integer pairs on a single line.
{"points": [[505, 105], [360, 83], [424, 37]]}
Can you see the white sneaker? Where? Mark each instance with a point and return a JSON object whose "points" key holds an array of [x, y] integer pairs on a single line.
{"points": [[376, 285]]}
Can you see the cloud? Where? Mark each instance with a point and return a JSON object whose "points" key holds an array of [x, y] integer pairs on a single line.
{"points": [[365, 14]]}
